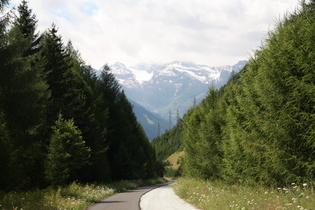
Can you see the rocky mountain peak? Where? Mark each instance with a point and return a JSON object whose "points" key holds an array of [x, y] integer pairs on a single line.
{"points": [[172, 86]]}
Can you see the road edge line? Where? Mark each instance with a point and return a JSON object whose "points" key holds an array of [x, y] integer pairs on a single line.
{"points": [[154, 187]]}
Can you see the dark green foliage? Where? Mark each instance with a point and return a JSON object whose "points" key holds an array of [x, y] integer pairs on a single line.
{"points": [[169, 172], [169, 142], [260, 126], [97, 139], [23, 100], [67, 153], [59, 75], [94, 128], [129, 152], [4, 153], [26, 22], [202, 136]]}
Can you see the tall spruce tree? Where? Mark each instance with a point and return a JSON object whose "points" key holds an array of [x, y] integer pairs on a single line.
{"points": [[27, 23], [68, 88], [128, 147], [53, 57], [90, 121], [96, 136], [118, 153], [261, 128], [3, 130], [24, 94], [67, 153], [74, 89]]}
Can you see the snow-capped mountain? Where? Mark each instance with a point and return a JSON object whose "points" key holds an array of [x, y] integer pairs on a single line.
{"points": [[172, 87]]}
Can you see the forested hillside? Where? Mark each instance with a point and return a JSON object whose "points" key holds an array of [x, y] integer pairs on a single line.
{"points": [[169, 142], [59, 122], [260, 127]]}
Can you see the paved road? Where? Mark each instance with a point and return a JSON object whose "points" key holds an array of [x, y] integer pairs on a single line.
{"points": [[163, 198], [123, 201]]}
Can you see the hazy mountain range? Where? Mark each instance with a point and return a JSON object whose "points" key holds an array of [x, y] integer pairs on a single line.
{"points": [[158, 90]]}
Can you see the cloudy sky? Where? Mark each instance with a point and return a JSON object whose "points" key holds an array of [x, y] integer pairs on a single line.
{"points": [[211, 32]]}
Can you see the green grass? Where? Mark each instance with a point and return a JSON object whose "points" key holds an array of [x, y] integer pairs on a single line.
{"points": [[73, 196], [216, 195], [174, 160], [173, 165]]}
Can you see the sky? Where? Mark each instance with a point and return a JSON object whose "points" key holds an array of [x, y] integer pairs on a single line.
{"points": [[209, 32]]}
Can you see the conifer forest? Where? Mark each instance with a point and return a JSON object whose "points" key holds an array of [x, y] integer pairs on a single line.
{"points": [[59, 122], [260, 126]]}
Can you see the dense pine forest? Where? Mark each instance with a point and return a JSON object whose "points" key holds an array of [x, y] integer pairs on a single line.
{"points": [[59, 122], [169, 142], [260, 127]]}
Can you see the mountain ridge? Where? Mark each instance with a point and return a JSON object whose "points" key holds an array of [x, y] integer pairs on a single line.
{"points": [[172, 86], [162, 93]]}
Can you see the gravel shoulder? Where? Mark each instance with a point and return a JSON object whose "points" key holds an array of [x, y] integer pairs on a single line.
{"points": [[163, 198]]}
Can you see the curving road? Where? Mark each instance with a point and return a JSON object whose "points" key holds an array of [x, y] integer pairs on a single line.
{"points": [[157, 197], [127, 200], [163, 198]]}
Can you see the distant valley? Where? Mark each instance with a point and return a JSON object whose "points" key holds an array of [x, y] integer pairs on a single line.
{"points": [[152, 123], [158, 91]]}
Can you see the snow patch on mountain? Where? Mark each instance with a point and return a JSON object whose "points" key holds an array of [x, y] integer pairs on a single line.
{"points": [[173, 86], [141, 75], [136, 76]]}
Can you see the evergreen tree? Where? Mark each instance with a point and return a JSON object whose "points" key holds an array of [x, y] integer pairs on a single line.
{"points": [[4, 154], [260, 126], [53, 57], [128, 147], [40, 78], [5, 159], [24, 94], [27, 23], [134, 138], [107, 115], [109, 87], [94, 127], [69, 91], [67, 153]]}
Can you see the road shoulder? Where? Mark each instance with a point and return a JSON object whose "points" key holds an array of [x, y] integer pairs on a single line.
{"points": [[163, 197]]}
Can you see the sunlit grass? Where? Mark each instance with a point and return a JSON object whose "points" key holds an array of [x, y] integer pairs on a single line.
{"points": [[73, 196], [216, 195]]}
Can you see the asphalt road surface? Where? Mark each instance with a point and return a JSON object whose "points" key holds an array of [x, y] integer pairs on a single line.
{"points": [[158, 197], [163, 198], [123, 201]]}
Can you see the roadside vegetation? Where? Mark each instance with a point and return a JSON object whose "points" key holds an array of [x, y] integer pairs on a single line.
{"points": [[259, 128], [218, 195], [73, 196], [250, 144], [59, 121], [173, 165]]}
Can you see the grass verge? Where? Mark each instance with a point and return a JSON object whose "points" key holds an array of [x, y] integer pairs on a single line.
{"points": [[73, 196], [216, 195]]}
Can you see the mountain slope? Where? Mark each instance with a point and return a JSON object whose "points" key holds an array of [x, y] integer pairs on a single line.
{"points": [[152, 124], [173, 86]]}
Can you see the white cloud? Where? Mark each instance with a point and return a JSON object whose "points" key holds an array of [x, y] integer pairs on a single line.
{"points": [[208, 32]]}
